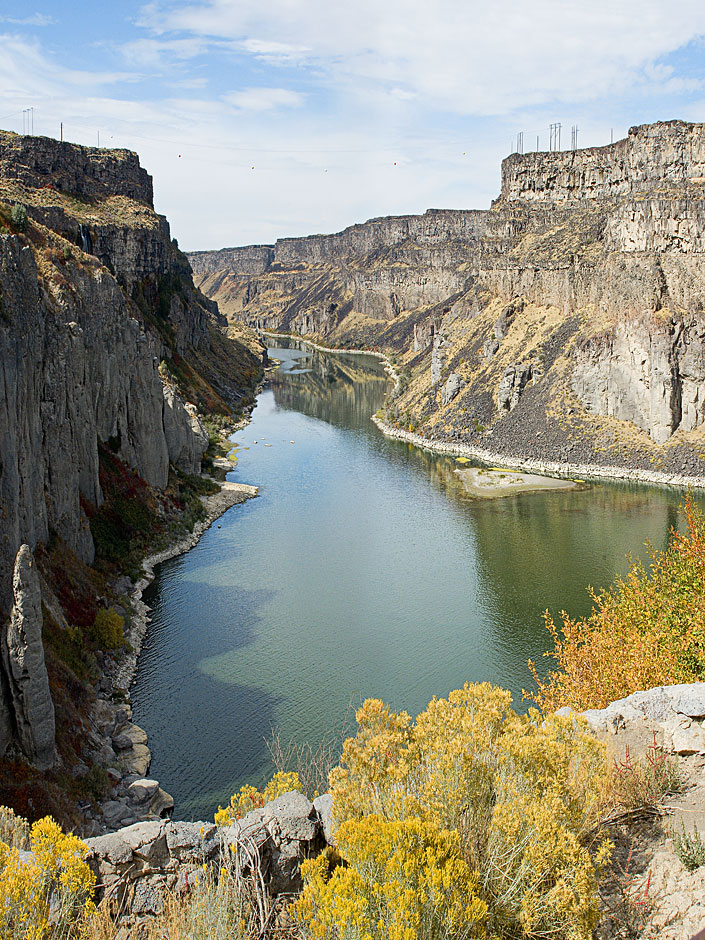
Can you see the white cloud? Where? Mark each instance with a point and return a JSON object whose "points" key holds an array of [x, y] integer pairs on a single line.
{"points": [[36, 19], [275, 53], [465, 56], [156, 53], [264, 99]]}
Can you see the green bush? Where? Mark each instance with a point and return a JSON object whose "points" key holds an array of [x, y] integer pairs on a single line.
{"points": [[19, 217], [107, 629]]}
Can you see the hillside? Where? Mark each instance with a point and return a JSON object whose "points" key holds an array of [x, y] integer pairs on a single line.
{"points": [[565, 322]]}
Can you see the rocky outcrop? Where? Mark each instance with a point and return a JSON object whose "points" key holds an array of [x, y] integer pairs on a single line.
{"points": [[451, 388], [669, 152], [88, 172], [186, 440], [650, 372], [103, 338], [512, 385], [23, 658], [137, 864]]}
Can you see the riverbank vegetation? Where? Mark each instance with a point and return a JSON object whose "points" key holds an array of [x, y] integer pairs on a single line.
{"points": [[648, 629]]}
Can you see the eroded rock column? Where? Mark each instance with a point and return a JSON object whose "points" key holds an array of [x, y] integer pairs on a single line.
{"points": [[23, 658]]}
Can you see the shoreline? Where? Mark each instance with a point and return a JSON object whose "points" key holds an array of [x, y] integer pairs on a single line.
{"points": [[543, 467], [491, 458]]}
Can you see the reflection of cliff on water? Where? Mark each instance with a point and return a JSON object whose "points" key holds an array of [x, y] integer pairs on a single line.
{"points": [[527, 545], [543, 550], [343, 390]]}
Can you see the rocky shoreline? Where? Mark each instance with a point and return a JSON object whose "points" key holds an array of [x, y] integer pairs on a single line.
{"points": [[118, 744], [495, 458], [543, 467]]}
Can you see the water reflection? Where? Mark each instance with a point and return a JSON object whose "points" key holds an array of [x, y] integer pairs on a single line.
{"points": [[343, 390]]}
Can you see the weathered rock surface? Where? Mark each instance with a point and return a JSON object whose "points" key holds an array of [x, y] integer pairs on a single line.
{"points": [[23, 656], [512, 385], [136, 863], [452, 387], [94, 295]]}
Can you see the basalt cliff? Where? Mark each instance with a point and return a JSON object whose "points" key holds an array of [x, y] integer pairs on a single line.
{"points": [[565, 322], [108, 356]]}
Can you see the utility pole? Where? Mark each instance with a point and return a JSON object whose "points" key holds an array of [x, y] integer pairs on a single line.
{"points": [[537, 143], [520, 142], [611, 135], [62, 131], [554, 137], [574, 137]]}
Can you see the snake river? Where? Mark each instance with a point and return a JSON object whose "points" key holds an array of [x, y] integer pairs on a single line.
{"points": [[362, 569]]}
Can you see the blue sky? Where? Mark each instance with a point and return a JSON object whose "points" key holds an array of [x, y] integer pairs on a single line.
{"points": [[289, 117]]}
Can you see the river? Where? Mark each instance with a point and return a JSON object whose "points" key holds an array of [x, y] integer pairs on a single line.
{"points": [[361, 570]]}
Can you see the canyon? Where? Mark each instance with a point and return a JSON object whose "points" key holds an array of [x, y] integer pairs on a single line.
{"points": [[563, 323]]}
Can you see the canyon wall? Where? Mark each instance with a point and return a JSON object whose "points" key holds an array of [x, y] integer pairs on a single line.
{"points": [[100, 330], [599, 250]]}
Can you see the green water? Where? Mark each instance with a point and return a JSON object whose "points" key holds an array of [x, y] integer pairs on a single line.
{"points": [[361, 570]]}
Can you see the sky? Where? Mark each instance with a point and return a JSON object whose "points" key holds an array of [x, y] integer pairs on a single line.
{"points": [[261, 120]]}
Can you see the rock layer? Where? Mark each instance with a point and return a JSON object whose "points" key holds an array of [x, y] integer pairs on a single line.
{"points": [[102, 334]]}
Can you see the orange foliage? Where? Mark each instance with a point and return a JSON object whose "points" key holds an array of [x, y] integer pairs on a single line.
{"points": [[648, 629]]}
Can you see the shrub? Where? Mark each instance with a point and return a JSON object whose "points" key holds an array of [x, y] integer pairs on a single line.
{"points": [[14, 830], [523, 795], [107, 630], [644, 782], [403, 879], [689, 849], [18, 216], [53, 884], [250, 797], [646, 630]]}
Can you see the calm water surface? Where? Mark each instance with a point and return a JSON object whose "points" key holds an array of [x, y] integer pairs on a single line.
{"points": [[360, 570]]}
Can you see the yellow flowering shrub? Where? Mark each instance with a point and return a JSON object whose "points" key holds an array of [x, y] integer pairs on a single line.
{"points": [[14, 830], [249, 798], [47, 893], [521, 792], [404, 880]]}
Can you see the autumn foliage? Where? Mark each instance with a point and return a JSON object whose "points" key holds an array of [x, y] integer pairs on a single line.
{"points": [[648, 629]]}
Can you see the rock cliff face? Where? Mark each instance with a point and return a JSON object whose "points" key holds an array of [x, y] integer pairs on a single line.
{"points": [[102, 335], [573, 307]]}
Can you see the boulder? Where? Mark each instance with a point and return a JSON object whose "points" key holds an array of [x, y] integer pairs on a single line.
{"points": [[142, 790], [323, 805], [452, 387], [127, 736]]}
